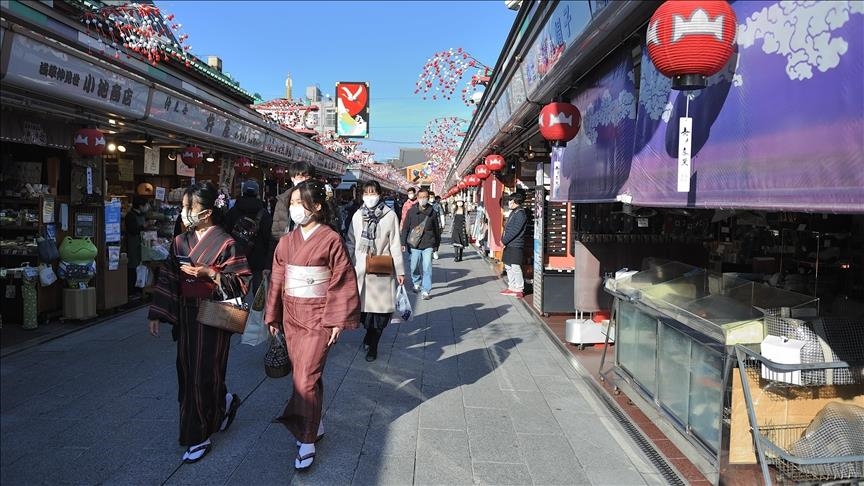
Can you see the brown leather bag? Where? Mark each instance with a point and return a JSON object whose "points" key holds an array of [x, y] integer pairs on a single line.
{"points": [[379, 264]]}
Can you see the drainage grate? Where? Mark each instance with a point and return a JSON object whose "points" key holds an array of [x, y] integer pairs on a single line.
{"points": [[654, 457]]}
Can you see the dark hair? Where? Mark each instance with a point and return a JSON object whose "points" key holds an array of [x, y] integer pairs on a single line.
{"points": [[423, 189], [301, 168], [139, 201], [373, 184], [411, 189], [518, 197], [312, 192], [206, 194]]}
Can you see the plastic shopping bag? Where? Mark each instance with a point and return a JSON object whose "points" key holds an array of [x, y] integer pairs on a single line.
{"points": [[403, 305], [142, 275], [47, 277], [256, 331]]}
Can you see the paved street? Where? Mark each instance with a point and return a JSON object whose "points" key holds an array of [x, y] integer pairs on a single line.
{"points": [[471, 391]]}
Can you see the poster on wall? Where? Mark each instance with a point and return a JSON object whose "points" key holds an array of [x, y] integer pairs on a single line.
{"points": [[125, 170], [112, 221], [151, 161], [352, 109], [183, 169]]}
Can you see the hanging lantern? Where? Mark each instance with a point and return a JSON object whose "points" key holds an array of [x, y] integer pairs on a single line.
{"points": [[242, 165], [281, 173], [690, 40], [472, 180], [192, 156], [461, 185], [494, 162], [482, 171], [89, 142], [559, 123]]}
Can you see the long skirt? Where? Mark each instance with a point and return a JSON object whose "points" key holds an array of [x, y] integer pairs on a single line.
{"points": [[202, 359], [308, 351]]}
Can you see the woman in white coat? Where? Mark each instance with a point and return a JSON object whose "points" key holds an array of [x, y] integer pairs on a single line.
{"points": [[375, 231]]}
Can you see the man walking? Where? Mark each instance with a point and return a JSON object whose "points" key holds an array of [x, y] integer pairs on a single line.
{"points": [[412, 200], [298, 172], [421, 233], [249, 223], [514, 245]]}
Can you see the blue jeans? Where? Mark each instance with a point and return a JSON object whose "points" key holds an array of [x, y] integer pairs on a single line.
{"points": [[426, 254]]}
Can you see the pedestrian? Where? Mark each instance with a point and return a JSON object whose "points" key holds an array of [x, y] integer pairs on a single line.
{"points": [[412, 200], [375, 231], [135, 223], [201, 260], [312, 299], [298, 172], [421, 233], [514, 245], [459, 233], [249, 223]]}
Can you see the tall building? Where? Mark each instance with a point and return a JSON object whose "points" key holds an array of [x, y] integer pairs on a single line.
{"points": [[288, 85]]}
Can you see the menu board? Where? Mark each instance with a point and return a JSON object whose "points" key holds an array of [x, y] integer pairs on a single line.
{"points": [[112, 220]]}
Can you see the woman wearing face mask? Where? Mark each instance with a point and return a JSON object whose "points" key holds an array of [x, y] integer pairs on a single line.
{"points": [[313, 298], [460, 234], [375, 231], [202, 260]]}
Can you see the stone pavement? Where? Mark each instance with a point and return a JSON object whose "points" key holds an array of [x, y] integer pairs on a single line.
{"points": [[471, 391]]}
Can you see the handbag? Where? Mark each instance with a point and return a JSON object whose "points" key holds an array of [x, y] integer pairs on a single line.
{"points": [[277, 363], [47, 249], [417, 233], [379, 264], [194, 287], [229, 315]]}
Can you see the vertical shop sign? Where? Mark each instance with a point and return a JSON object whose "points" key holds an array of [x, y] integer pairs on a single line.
{"points": [[539, 200], [685, 139], [151, 161], [352, 109], [89, 180], [112, 221]]}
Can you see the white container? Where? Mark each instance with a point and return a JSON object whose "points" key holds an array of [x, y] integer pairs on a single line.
{"points": [[782, 351], [585, 331]]}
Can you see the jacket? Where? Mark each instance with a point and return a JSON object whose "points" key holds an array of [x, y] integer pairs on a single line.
{"points": [[405, 207], [281, 217], [377, 292], [431, 234], [514, 230], [259, 256]]}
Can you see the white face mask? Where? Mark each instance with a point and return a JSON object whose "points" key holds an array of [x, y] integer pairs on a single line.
{"points": [[423, 202], [371, 200], [189, 219], [298, 180], [412, 196], [459, 204], [299, 215]]}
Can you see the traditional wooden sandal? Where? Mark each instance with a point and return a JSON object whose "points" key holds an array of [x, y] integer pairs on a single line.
{"points": [[299, 460], [231, 414], [194, 454]]}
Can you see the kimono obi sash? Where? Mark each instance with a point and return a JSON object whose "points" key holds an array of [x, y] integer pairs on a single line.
{"points": [[307, 282]]}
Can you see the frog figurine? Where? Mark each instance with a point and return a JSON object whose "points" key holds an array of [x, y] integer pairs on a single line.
{"points": [[77, 261]]}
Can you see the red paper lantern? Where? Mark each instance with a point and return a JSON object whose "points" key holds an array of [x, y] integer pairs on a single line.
{"points": [[472, 180], [494, 162], [482, 171], [242, 165], [281, 173], [690, 40], [192, 156], [560, 122], [89, 142], [461, 185]]}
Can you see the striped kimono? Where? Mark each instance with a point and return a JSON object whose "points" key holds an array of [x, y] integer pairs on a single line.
{"points": [[306, 321], [202, 351]]}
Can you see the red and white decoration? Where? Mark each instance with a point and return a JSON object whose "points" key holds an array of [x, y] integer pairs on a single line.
{"points": [[472, 180], [443, 71], [461, 185], [482, 171], [495, 162], [242, 165], [690, 40], [89, 142], [192, 156], [559, 123]]}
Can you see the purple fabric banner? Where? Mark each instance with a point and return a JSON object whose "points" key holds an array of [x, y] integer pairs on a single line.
{"points": [[595, 164], [781, 128]]}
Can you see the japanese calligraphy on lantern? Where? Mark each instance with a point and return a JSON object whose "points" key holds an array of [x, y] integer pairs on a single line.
{"points": [[352, 109], [39, 67]]}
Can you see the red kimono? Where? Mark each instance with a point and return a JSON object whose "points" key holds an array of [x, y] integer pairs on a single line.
{"points": [[313, 288], [202, 351]]}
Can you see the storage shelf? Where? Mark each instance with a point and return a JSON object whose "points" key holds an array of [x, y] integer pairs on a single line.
{"points": [[23, 202], [18, 228]]}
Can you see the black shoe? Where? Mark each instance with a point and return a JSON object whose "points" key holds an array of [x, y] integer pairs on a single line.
{"points": [[371, 356]]}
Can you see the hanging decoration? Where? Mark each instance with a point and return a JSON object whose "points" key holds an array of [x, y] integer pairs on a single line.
{"points": [[242, 165], [691, 40], [441, 140], [461, 185], [89, 142], [192, 156], [495, 162], [559, 123], [472, 180], [482, 171], [141, 28], [445, 69]]}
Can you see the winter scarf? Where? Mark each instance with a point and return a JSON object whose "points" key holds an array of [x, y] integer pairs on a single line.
{"points": [[371, 217]]}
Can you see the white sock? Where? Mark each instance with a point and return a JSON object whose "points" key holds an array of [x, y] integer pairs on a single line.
{"points": [[305, 449], [229, 398], [198, 453]]}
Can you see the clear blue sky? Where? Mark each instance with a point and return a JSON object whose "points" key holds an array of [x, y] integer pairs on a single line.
{"points": [[386, 43]]}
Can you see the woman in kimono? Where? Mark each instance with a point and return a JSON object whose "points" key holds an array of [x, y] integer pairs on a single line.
{"points": [[201, 259], [375, 231], [460, 233], [313, 298]]}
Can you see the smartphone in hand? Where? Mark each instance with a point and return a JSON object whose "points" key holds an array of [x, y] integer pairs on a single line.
{"points": [[184, 260]]}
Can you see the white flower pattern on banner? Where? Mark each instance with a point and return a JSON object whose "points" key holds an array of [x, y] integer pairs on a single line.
{"points": [[609, 112]]}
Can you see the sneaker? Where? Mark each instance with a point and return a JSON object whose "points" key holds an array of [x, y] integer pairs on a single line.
{"points": [[416, 289], [506, 292], [434, 255], [425, 296]]}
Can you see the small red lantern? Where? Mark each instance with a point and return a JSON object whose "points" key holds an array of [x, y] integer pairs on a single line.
{"points": [[192, 156], [690, 40], [281, 173], [472, 180], [494, 162], [560, 122], [461, 185], [89, 142], [482, 171], [242, 165]]}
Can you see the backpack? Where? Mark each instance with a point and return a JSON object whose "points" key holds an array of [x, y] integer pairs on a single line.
{"points": [[245, 230]]}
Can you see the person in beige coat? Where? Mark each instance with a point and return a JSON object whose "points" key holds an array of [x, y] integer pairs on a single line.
{"points": [[375, 231]]}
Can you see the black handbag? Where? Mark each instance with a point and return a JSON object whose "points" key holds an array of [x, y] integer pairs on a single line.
{"points": [[417, 233], [277, 363], [47, 248]]}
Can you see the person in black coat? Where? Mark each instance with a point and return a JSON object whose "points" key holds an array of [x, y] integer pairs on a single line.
{"points": [[514, 245], [259, 254], [423, 217], [459, 235]]}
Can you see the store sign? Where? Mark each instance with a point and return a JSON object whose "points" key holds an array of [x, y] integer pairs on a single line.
{"points": [[352, 109], [188, 115], [38, 67], [278, 146]]}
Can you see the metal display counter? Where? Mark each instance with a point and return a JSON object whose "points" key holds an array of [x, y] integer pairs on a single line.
{"points": [[675, 327]]}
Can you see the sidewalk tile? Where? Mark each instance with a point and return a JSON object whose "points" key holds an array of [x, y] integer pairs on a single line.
{"points": [[442, 458]]}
